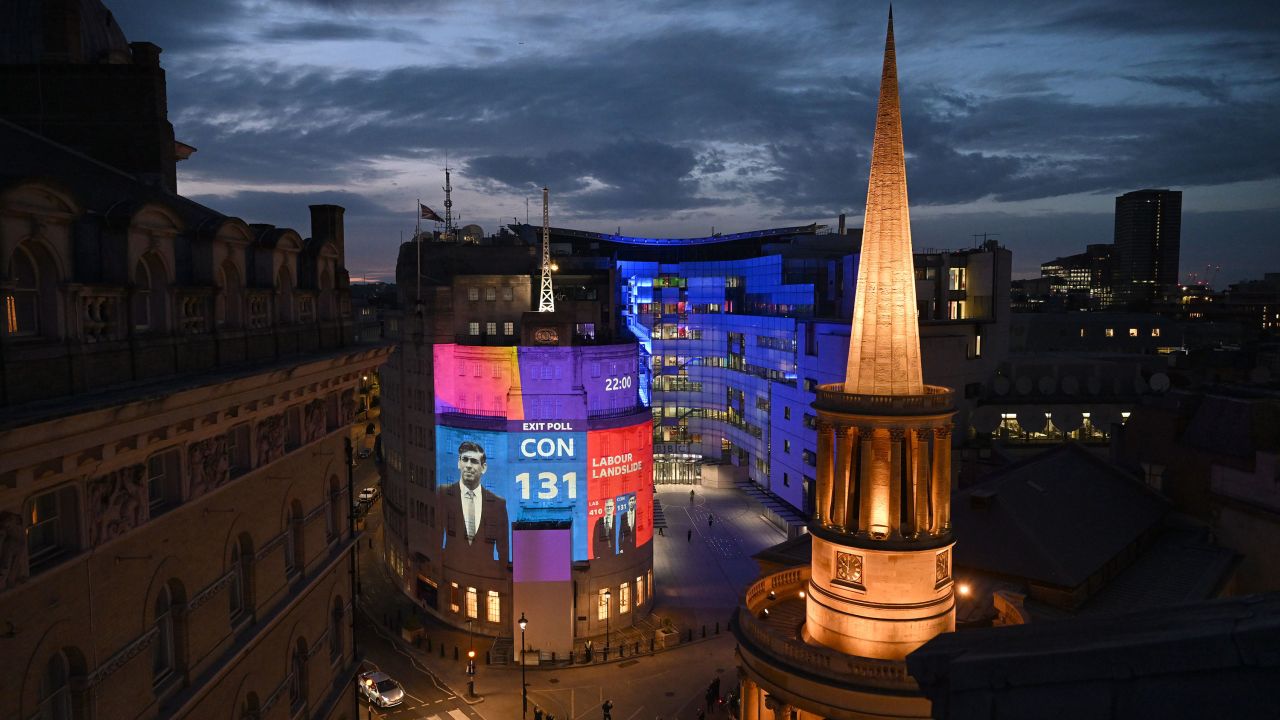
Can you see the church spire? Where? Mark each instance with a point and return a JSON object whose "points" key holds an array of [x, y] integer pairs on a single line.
{"points": [[884, 343]]}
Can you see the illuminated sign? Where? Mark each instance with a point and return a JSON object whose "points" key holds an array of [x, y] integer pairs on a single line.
{"points": [[537, 434]]}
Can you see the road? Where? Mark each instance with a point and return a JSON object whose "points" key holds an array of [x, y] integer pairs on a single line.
{"points": [[426, 696]]}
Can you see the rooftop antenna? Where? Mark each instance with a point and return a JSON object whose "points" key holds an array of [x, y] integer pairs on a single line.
{"points": [[448, 201], [546, 299], [984, 236]]}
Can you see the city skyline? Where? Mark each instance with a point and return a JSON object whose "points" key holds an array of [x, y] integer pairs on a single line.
{"points": [[1021, 125]]}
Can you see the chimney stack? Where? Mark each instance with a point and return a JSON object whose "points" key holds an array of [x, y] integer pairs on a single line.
{"points": [[327, 226]]}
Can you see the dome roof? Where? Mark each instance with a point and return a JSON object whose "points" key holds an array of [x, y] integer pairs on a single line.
{"points": [[60, 31]]}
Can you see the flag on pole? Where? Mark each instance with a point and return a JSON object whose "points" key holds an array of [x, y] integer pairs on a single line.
{"points": [[427, 213]]}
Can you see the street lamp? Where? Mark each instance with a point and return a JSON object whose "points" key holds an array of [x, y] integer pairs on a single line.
{"points": [[471, 661], [608, 610], [524, 688]]}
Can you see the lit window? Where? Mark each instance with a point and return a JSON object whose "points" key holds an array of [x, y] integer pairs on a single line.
{"points": [[1155, 332], [490, 293], [508, 328], [491, 328], [473, 293], [453, 597], [1110, 332], [473, 603], [956, 278], [602, 608], [786, 446], [493, 608], [474, 328], [624, 598], [639, 590], [1081, 332], [506, 293], [1133, 332]]}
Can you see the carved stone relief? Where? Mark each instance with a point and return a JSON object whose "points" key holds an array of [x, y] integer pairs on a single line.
{"points": [[208, 465], [14, 568], [347, 407], [270, 439], [313, 423], [117, 503], [942, 570]]}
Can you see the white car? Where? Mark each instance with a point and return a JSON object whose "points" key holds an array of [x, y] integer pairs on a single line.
{"points": [[378, 688], [368, 495]]}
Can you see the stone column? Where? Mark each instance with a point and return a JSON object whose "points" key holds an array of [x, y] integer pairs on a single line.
{"points": [[840, 485], [822, 504], [924, 501], [896, 481], [941, 480], [866, 440]]}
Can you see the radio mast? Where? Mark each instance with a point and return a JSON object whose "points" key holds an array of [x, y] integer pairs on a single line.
{"points": [[546, 299], [448, 203]]}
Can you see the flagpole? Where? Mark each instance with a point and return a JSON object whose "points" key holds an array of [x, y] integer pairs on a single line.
{"points": [[418, 241]]}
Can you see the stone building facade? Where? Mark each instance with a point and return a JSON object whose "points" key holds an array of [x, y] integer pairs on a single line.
{"points": [[176, 389]]}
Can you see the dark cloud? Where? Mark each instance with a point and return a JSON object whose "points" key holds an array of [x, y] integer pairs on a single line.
{"points": [[621, 177], [284, 209], [320, 30], [1210, 88]]}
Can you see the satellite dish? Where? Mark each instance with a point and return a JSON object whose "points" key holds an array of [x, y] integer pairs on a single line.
{"points": [[1046, 385], [986, 419], [1032, 419], [1023, 385], [1159, 382], [1070, 385], [1000, 385]]}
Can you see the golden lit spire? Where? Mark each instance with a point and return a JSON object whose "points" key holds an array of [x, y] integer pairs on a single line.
{"points": [[884, 344]]}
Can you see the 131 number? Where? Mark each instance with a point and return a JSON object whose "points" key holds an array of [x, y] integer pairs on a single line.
{"points": [[549, 485]]}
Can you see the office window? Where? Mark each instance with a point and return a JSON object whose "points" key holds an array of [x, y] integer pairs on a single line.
{"points": [[473, 293], [786, 480], [473, 328], [490, 293], [491, 328], [955, 310], [1155, 332], [453, 597], [956, 278], [1110, 332], [786, 446], [786, 412], [508, 328], [507, 294], [639, 590], [473, 603], [624, 598], [602, 607], [1133, 332], [493, 608]]}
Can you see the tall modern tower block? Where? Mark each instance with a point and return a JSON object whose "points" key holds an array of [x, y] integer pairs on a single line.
{"points": [[828, 640], [1147, 242]]}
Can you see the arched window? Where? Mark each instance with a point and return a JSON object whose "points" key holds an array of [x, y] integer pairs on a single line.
{"points": [[55, 689], [227, 305], [298, 677], [141, 297], [252, 709], [284, 295], [336, 629], [22, 303], [295, 553], [164, 647], [241, 587]]}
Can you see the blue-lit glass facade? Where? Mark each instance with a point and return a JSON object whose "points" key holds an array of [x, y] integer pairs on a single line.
{"points": [[718, 338]]}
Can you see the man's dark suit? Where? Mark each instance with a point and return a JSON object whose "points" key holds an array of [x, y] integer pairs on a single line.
{"points": [[460, 554], [626, 534], [602, 540]]}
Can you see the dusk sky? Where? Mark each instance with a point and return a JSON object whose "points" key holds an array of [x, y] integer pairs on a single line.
{"points": [[670, 118]]}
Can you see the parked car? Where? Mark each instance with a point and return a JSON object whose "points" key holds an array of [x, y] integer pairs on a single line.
{"points": [[368, 495], [378, 688], [364, 453]]}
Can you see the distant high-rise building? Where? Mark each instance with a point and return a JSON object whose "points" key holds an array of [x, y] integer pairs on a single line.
{"points": [[1147, 237]]}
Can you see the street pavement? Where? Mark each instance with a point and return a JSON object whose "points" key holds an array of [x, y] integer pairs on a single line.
{"points": [[701, 570]]}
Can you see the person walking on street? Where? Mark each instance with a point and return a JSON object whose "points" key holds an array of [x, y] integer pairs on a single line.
{"points": [[690, 497], [710, 519], [690, 535]]}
